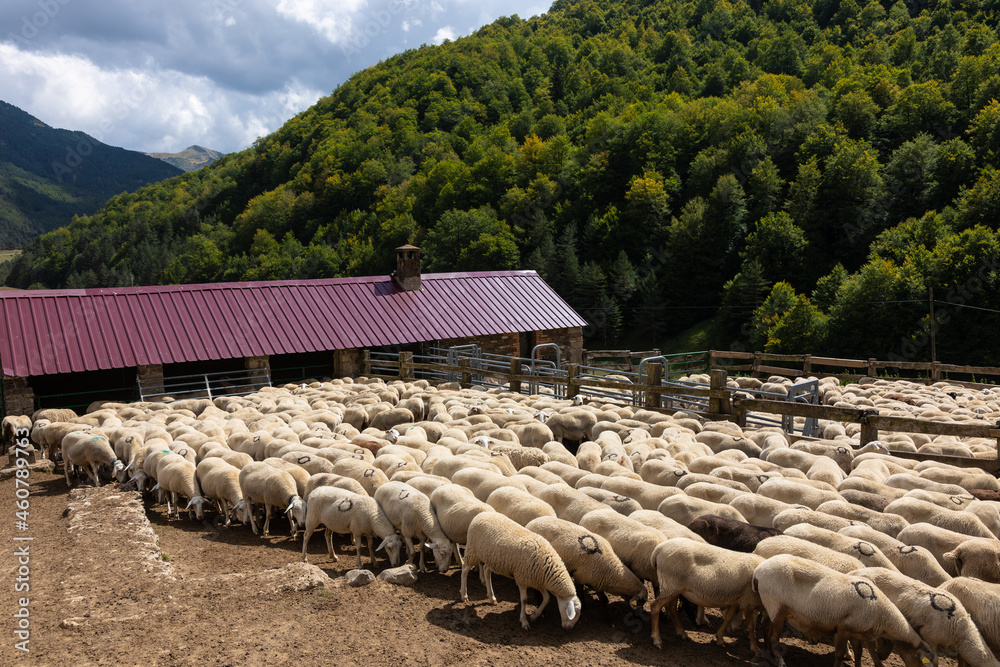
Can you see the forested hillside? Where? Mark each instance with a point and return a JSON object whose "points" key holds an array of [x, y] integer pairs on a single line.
{"points": [[47, 175], [801, 173]]}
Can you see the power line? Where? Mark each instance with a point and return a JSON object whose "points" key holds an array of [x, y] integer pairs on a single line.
{"points": [[962, 305]]}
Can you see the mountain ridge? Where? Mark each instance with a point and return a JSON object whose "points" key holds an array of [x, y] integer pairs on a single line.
{"points": [[190, 159], [49, 175]]}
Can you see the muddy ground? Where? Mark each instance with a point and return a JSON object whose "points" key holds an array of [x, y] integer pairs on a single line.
{"points": [[108, 587]]}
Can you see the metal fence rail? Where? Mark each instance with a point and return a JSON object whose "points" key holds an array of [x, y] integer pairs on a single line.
{"points": [[205, 385]]}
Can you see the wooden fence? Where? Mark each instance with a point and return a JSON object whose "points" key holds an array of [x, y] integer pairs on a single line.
{"points": [[851, 370], [724, 403]]}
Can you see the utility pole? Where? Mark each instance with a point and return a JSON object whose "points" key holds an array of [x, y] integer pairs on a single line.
{"points": [[930, 299]]}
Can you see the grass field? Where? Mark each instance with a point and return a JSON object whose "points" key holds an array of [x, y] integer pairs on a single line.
{"points": [[7, 255]]}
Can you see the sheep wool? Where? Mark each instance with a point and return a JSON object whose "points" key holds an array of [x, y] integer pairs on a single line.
{"points": [[505, 547]]}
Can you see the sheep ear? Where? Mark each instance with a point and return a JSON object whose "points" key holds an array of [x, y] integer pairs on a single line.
{"points": [[570, 611]]}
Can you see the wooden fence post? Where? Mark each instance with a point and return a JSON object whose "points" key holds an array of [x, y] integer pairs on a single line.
{"points": [[466, 372], [935, 370], [872, 367], [654, 378], [741, 413], [755, 370], [807, 364], [366, 362], [718, 379], [515, 369], [572, 382], [404, 372], [868, 431]]}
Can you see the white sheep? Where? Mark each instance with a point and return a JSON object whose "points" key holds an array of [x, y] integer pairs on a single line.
{"points": [[220, 481], [502, 546], [866, 552], [936, 540], [410, 512], [977, 558], [518, 505], [685, 509], [819, 601], [569, 503], [940, 619], [455, 507], [272, 487], [796, 546], [346, 512], [89, 451], [913, 561], [361, 471], [921, 511], [632, 541], [178, 476], [708, 576], [982, 600], [590, 559], [890, 524]]}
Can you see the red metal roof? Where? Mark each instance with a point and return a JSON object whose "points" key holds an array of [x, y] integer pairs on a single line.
{"points": [[61, 331]]}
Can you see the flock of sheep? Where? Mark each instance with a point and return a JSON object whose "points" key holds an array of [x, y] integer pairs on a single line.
{"points": [[838, 541]]}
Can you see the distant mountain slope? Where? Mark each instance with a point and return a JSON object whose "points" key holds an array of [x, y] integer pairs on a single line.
{"points": [[49, 175], [189, 159]]}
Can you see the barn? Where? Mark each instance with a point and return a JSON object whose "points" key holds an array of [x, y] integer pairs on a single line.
{"points": [[67, 348]]}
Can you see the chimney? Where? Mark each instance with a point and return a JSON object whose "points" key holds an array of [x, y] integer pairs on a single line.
{"points": [[407, 273]]}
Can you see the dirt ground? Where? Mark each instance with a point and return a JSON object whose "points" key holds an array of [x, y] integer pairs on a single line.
{"points": [[108, 587]]}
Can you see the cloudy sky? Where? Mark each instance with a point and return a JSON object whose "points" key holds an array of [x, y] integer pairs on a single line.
{"points": [[161, 75]]}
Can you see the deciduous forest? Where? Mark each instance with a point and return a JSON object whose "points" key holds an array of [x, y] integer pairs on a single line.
{"points": [[789, 176]]}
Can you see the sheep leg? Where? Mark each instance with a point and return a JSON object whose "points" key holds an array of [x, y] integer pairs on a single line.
{"points": [[66, 467], [546, 596], [750, 617], [225, 512], [409, 549], [253, 524], [305, 541], [654, 609], [371, 549], [463, 591], [328, 540], [488, 573], [94, 474], [773, 637], [357, 548], [720, 636], [524, 606], [267, 520], [840, 647], [458, 554]]}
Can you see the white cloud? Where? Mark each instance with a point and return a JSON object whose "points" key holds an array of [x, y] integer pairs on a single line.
{"points": [[443, 33], [119, 107], [331, 18]]}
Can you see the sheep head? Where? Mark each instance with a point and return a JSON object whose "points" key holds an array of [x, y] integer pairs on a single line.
{"points": [[296, 512], [393, 546], [442, 553], [242, 511], [118, 470], [569, 609], [198, 502]]}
